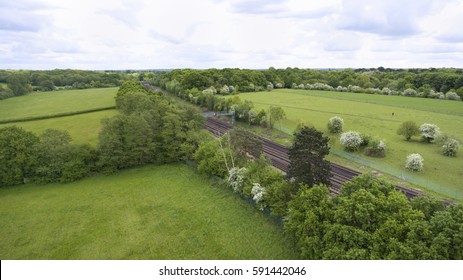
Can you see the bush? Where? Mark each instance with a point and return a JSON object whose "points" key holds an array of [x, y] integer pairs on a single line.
{"points": [[236, 178], [258, 195], [386, 91], [450, 148], [409, 92], [365, 140], [429, 131], [408, 129], [335, 125], [414, 162], [376, 148], [452, 96], [351, 140]]}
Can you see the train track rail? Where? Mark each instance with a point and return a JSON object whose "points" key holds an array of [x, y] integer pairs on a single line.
{"points": [[278, 155]]}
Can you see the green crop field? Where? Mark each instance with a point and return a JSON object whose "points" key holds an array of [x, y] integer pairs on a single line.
{"points": [[379, 116], [152, 212], [56, 102]]}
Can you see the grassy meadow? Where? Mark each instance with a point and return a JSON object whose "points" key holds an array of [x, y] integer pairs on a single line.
{"points": [[56, 102], [151, 212], [83, 128], [379, 116]]}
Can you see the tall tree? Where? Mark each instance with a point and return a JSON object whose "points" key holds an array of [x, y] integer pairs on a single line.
{"points": [[275, 114], [17, 155], [306, 155], [19, 83]]}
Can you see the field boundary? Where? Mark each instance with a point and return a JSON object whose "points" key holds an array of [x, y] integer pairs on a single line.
{"points": [[59, 115]]}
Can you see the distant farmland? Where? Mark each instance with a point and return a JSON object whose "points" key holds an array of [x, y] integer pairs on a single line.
{"points": [[56, 102], [83, 128], [380, 116]]}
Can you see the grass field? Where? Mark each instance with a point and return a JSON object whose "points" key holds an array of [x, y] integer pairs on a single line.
{"points": [[372, 114], [152, 212], [55, 102], [83, 128]]}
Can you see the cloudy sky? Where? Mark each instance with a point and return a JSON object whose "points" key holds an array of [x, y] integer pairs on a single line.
{"points": [[154, 34]]}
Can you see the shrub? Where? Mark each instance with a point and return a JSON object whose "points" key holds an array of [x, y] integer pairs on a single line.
{"points": [[225, 90], [376, 148], [408, 129], [236, 178], [355, 89], [429, 131], [450, 148], [414, 162], [335, 124], [386, 91], [452, 96], [409, 92], [351, 140], [373, 91], [365, 140], [258, 192]]}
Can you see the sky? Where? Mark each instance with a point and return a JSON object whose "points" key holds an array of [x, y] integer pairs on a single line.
{"points": [[256, 34]]}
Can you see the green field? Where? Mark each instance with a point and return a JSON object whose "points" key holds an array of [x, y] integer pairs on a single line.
{"points": [[83, 128], [56, 102], [372, 114], [152, 212]]}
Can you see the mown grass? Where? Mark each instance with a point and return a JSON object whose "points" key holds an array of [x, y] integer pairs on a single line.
{"points": [[152, 212], [84, 128], [372, 114], [56, 102]]}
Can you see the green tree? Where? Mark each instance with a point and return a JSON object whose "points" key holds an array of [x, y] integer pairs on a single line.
{"points": [[408, 129], [275, 114], [19, 83], [244, 142], [126, 141], [59, 160], [212, 159], [309, 214], [447, 227], [306, 155], [17, 155]]}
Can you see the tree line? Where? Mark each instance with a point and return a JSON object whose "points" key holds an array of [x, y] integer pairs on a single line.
{"points": [[25, 81], [148, 129], [409, 82]]}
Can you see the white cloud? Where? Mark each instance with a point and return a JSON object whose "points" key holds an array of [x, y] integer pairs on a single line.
{"points": [[120, 34]]}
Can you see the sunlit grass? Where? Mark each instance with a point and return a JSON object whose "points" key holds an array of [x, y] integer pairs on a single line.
{"points": [[55, 102], [152, 212], [379, 116]]}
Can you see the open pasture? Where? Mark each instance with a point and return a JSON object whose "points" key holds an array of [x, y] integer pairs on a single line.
{"points": [[83, 128], [152, 212], [379, 116], [56, 102]]}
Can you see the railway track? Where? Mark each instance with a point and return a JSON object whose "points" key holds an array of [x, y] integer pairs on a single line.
{"points": [[278, 154]]}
